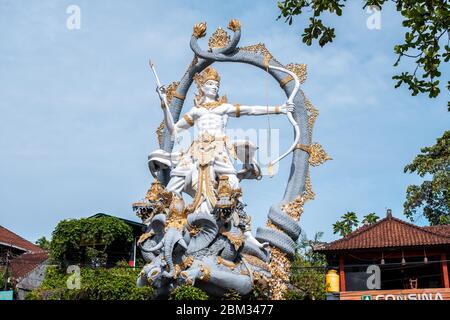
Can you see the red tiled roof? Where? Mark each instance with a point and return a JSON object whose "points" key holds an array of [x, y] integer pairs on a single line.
{"points": [[26, 263], [390, 232], [442, 229], [8, 238]]}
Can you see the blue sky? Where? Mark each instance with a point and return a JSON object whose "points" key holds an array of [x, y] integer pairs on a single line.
{"points": [[78, 109]]}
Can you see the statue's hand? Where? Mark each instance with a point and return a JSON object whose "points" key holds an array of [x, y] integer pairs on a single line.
{"points": [[287, 107], [162, 93]]}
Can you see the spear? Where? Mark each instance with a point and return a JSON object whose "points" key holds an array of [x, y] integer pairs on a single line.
{"points": [[159, 87]]}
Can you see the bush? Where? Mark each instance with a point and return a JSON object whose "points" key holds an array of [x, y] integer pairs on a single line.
{"points": [[186, 292], [96, 284], [231, 295], [260, 291]]}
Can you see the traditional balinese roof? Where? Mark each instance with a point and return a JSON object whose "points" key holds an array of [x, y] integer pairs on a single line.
{"points": [[26, 263], [10, 239], [441, 229], [390, 232]]}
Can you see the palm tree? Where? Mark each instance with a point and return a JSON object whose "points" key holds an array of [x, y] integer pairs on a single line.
{"points": [[341, 228], [370, 218], [346, 225], [350, 219]]}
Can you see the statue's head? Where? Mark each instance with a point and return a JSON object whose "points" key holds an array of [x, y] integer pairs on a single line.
{"points": [[208, 83]]}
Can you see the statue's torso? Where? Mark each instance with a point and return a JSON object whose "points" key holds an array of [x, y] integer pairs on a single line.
{"points": [[212, 121]]}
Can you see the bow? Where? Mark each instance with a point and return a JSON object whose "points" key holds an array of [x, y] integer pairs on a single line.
{"points": [[294, 123]]}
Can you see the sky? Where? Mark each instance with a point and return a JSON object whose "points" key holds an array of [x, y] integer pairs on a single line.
{"points": [[78, 109]]}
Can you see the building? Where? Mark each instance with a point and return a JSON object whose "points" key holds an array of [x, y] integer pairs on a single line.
{"points": [[14, 245], [25, 262], [391, 259]]}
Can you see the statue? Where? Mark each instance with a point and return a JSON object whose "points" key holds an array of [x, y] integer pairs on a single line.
{"points": [[208, 242], [209, 157]]}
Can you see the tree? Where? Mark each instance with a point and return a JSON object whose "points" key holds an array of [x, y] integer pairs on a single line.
{"points": [[308, 271], [370, 218], [86, 240], [350, 219], [426, 39], [341, 228], [349, 222], [306, 247], [432, 196], [346, 225], [43, 243], [6, 280]]}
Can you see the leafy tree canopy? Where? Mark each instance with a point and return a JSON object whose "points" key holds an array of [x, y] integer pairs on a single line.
{"points": [[432, 196], [370, 218], [426, 40], [346, 225], [6, 281], [87, 239], [308, 271], [43, 243]]}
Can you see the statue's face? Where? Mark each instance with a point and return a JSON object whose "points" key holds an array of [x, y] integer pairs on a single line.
{"points": [[210, 89]]}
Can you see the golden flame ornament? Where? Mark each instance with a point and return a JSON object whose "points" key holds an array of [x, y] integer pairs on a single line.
{"points": [[199, 30], [234, 25]]}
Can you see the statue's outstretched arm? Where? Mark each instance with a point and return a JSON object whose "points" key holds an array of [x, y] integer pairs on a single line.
{"points": [[237, 110]]}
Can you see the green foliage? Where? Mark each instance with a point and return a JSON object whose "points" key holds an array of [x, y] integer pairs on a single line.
{"points": [[307, 272], [370, 218], [2, 279], [87, 239], [43, 243], [306, 248], [186, 292], [346, 225], [341, 228], [426, 39], [260, 291], [232, 295], [432, 196], [349, 222], [96, 284], [55, 278], [294, 294], [5, 278]]}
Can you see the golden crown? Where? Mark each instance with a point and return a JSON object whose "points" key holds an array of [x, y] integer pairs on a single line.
{"points": [[208, 74]]}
